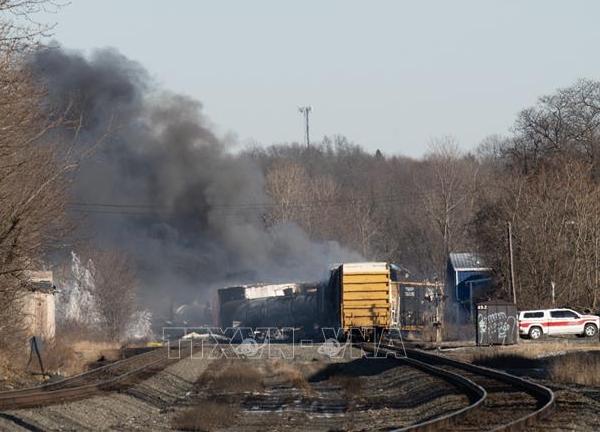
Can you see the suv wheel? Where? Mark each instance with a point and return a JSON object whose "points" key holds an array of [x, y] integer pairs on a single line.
{"points": [[590, 330], [535, 333]]}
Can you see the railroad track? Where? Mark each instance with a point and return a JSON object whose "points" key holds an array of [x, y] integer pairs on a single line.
{"points": [[498, 401], [111, 377]]}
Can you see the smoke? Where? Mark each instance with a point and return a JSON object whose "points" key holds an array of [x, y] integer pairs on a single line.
{"points": [[75, 299], [164, 187], [77, 304]]}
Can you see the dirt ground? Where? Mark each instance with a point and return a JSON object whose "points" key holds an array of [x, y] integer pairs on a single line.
{"points": [[314, 393], [62, 359], [13, 375], [570, 367], [289, 390], [304, 389]]}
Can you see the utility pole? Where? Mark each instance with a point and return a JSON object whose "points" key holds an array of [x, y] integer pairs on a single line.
{"points": [[305, 110], [511, 263]]}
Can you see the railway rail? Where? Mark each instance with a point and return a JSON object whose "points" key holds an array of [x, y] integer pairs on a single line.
{"points": [[498, 401], [111, 377]]}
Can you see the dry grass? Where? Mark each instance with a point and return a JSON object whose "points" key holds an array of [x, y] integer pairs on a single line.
{"points": [[576, 368], [351, 386], [569, 364], [286, 372], [74, 331], [506, 361], [527, 350], [233, 376], [65, 357], [12, 371], [68, 354], [206, 416], [224, 382], [537, 350], [60, 358], [90, 351]]}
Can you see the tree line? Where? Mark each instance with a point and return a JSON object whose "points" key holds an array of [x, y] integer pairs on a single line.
{"points": [[543, 178]]}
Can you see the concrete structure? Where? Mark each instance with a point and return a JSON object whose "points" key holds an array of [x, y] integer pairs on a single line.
{"points": [[39, 305]]}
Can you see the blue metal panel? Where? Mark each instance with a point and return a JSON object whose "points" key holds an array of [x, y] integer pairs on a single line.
{"points": [[451, 282], [470, 282], [464, 276]]}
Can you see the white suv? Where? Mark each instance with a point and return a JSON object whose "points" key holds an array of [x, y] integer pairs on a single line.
{"points": [[535, 323]]}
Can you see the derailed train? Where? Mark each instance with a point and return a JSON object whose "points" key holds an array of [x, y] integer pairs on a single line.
{"points": [[292, 309], [367, 297]]}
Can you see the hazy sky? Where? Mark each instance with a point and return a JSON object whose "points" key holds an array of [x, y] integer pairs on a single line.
{"points": [[387, 74]]}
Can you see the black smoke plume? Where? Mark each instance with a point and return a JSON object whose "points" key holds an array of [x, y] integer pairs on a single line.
{"points": [[164, 187]]}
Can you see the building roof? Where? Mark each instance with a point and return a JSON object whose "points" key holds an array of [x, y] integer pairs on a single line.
{"points": [[467, 261], [41, 281], [42, 286], [40, 276]]}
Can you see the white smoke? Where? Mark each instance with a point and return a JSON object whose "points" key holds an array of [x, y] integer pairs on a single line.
{"points": [[76, 302], [140, 326]]}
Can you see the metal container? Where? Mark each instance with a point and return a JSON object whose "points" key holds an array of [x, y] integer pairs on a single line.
{"points": [[296, 310], [366, 295], [418, 306], [497, 323], [412, 305]]}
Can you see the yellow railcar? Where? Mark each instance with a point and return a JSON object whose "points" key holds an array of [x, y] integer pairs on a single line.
{"points": [[365, 295]]}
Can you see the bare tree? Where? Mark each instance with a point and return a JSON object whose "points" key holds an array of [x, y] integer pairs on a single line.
{"points": [[115, 286], [287, 184], [566, 123], [20, 31], [554, 213], [447, 185], [32, 188], [32, 169], [308, 201]]}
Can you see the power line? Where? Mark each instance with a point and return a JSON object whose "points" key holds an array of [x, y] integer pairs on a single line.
{"points": [[243, 206], [158, 206], [117, 205], [244, 209]]}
